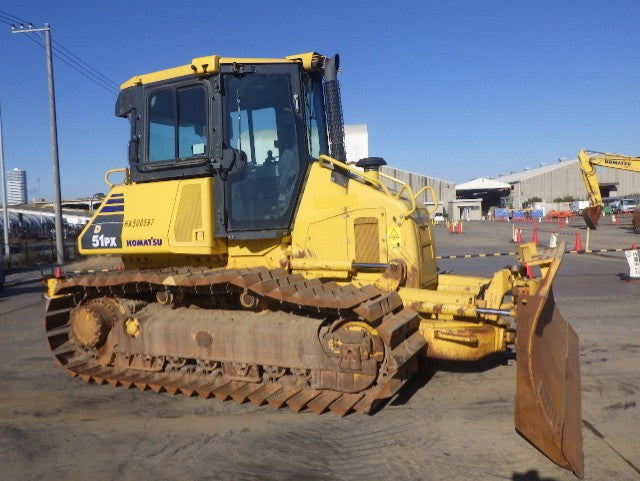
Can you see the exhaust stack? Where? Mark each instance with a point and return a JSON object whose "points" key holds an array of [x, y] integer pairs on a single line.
{"points": [[333, 107]]}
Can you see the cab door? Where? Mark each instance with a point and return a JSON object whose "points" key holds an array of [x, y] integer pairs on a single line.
{"points": [[263, 120]]}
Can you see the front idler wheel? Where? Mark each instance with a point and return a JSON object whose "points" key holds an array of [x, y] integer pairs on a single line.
{"points": [[92, 321]]}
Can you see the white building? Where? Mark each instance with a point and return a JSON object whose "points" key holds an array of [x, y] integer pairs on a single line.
{"points": [[465, 209], [356, 142], [357, 147], [16, 186]]}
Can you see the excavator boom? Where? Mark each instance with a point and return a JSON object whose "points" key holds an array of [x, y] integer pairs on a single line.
{"points": [[588, 160]]}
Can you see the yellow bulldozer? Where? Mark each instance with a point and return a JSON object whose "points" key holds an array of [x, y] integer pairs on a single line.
{"points": [[259, 265]]}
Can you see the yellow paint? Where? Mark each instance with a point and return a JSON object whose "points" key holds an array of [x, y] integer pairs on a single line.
{"points": [[462, 341], [52, 284], [132, 327], [151, 211], [323, 233], [210, 65], [321, 245]]}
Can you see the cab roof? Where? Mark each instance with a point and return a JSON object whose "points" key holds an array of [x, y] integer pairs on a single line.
{"points": [[211, 65]]}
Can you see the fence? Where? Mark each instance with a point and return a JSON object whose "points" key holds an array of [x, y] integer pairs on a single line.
{"points": [[32, 252]]}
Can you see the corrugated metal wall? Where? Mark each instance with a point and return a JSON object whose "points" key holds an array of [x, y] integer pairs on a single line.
{"points": [[566, 180], [445, 190]]}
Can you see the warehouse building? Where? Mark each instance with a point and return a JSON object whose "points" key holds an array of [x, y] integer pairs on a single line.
{"points": [[445, 190], [562, 179], [357, 147], [489, 191]]}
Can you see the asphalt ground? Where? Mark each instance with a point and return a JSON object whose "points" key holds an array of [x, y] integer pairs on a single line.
{"points": [[451, 422]]}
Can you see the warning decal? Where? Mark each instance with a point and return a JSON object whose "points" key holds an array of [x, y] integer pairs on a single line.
{"points": [[393, 234]]}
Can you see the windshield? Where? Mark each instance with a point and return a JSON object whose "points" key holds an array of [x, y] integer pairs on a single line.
{"points": [[261, 120]]}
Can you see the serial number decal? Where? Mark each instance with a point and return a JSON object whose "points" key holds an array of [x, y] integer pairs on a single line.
{"points": [[139, 222]]}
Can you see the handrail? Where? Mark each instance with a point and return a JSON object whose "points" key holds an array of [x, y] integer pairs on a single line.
{"points": [[403, 186], [333, 161], [433, 196], [127, 178], [376, 182]]}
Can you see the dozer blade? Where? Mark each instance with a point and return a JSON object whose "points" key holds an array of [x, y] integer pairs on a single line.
{"points": [[547, 408], [591, 216]]}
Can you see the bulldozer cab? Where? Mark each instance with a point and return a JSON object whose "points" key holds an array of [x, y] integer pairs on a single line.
{"points": [[254, 127]]}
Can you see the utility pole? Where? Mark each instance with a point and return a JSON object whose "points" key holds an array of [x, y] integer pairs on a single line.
{"points": [[57, 198], [7, 251]]}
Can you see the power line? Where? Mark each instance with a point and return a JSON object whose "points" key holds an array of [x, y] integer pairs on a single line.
{"points": [[74, 65], [66, 56], [58, 44], [15, 19]]}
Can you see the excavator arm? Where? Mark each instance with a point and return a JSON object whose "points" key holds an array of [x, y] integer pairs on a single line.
{"points": [[588, 160]]}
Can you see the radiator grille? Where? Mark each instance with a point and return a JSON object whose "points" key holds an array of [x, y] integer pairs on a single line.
{"points": [[367, 239]]}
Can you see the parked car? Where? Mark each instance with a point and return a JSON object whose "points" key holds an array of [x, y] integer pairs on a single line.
{"points": [[626, 206]]}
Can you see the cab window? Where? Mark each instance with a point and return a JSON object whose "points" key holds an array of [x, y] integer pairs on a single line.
{"points": [[315, 117], [261, 121], [177, 128]]}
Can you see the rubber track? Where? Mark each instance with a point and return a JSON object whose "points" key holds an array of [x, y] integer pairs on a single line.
{"points": [[380, 309]]}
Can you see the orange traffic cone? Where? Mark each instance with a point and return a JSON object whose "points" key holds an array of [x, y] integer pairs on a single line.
{"points": [[578, 242], [519, 236], [535, 236]]}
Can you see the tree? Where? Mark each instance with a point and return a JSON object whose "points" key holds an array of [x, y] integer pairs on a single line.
{"points": [[566, 198]]}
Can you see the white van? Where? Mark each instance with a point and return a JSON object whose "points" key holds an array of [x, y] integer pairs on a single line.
{"points": [[626, 206]]}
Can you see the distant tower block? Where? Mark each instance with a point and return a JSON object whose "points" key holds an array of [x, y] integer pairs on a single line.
{"points": [[16, 186]]}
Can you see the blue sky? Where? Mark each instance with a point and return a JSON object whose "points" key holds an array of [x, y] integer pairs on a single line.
{"points": [[453, 90]]}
